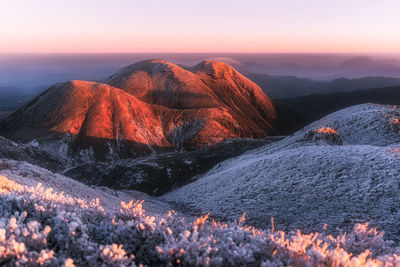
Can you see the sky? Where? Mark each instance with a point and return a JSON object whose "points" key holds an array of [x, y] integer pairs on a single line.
{"points": [[245, 26]]}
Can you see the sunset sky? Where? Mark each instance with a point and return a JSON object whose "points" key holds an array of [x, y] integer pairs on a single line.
{"points": [[199, 26]]}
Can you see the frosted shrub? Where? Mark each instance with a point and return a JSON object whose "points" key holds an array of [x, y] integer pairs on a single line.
{"points": [[24, 244], [39, 227], [395, 123], [116, 256]]}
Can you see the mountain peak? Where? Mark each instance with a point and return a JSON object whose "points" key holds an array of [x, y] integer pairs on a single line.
{"points": [[163, 83], [209, 84], [214, 68], [151, 66], [357, 62]]}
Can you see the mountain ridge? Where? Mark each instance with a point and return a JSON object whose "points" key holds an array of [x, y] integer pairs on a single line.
{"points": [[146, 107]]}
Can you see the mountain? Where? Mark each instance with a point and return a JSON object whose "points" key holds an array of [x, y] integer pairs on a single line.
{"points": [[326, 67], [86, 114], [357, 63], [209, 84], [314, 107], [363, 66], [340, 170], [149, 106], [277, 87]]}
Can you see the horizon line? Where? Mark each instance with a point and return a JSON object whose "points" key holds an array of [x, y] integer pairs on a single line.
{"points": [[195, 52]]}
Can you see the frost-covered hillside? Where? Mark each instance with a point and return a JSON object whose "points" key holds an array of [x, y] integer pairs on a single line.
{"points": [[340, 170], [42, 226], [31, 154], [29, 175]]}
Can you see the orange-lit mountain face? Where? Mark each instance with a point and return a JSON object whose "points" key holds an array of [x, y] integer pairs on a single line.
{"points": [[148, 106]]}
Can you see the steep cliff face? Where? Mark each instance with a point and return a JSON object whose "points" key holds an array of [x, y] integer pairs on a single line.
{"points": [[148, 106]]}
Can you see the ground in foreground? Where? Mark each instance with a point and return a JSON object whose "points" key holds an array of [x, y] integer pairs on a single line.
{"points": [[43, 226]]}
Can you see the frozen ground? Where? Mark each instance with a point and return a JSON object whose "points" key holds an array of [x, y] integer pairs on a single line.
{"points": [[41, 226], [328, 172], [30, 175], [340, 170]]}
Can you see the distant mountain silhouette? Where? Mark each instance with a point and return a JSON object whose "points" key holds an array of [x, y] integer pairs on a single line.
{"points": [[291, 86], [316, 106], [365, 66], [357, 62], [349, 67]]}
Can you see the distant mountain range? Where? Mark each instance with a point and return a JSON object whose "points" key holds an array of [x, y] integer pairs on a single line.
{"points": [[291, 86], [356, 67], [313, 107], [27, 72]]}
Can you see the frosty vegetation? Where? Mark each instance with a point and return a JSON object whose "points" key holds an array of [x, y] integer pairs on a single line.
{"points": [[324, 133], [41, 227], [340, 170]]}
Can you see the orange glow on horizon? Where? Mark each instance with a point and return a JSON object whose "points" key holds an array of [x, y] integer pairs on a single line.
{"points": [[212, 44], [286, 26]]}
